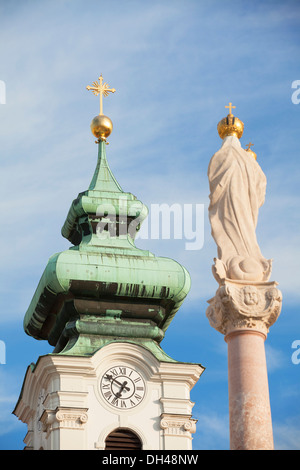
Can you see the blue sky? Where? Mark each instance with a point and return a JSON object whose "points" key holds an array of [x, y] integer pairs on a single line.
{"points": [[175, 65]]}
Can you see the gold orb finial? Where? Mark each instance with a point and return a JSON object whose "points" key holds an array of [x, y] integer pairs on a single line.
{"points": [[248, 149], [230, 125], [101, 126]]}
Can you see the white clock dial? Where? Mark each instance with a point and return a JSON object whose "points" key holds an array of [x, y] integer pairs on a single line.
{"points": [[122, 387]]}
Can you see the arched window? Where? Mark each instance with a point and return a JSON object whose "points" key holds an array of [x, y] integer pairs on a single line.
{"points": [[122, 439]]}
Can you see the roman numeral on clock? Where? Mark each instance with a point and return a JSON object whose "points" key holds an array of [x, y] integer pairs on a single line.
{"points": [[108, 395], [115, 401]]}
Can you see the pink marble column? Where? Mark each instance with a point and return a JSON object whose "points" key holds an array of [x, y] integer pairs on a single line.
{"points": [[243, 313], [249, 404]]}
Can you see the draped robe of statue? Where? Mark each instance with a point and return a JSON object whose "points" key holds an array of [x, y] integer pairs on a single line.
{"points": [[237, 191]]}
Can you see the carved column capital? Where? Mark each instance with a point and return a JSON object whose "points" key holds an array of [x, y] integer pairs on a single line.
{"points": [[242, 305], [174, 424], [68, 418]]}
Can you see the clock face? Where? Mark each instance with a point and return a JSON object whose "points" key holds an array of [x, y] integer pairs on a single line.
{"points": [[122, 387]]}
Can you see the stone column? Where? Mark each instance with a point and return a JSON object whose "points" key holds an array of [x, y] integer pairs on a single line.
{"points": [[243, 312], [246, 304]]}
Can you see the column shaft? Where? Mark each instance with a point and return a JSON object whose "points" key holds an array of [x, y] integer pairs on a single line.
{"points": [[249, 403]]}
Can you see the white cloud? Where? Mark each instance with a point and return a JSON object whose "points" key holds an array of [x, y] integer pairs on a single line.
{"points": [[287, 434], [8, 399], [275, 358], [212, 432]]}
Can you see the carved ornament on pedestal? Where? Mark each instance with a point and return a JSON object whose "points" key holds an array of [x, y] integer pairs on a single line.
{"points": [[239, 305]]}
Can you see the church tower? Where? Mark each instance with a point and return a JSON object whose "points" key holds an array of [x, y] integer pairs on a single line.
{"points": [[105, 305]]}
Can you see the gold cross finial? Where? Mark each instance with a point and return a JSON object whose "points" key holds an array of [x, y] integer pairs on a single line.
{"points": [[102, 89], [230, 107], [249, 145]]}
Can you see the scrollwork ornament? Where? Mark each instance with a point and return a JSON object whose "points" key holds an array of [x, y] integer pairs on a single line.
{"points": [[178, 424], [188, 426], [60, 416], [164, 424], [71, 418], [83, 418]]}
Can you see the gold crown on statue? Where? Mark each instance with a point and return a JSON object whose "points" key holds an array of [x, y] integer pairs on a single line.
{"points": [[230, 125]]}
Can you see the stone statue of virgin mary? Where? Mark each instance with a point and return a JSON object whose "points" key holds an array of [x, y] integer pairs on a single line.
{"points": [[237, 191]]}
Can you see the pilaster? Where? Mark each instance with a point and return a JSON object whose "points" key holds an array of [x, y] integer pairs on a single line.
{"points": [[177, 427], [62, 427]]}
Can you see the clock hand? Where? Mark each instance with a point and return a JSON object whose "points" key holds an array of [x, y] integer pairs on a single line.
{"points": [[108, 377], [122, 388], [123, 385]]}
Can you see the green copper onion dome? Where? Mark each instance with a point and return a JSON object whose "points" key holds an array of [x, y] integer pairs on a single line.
{"points": [[105, 289]]}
